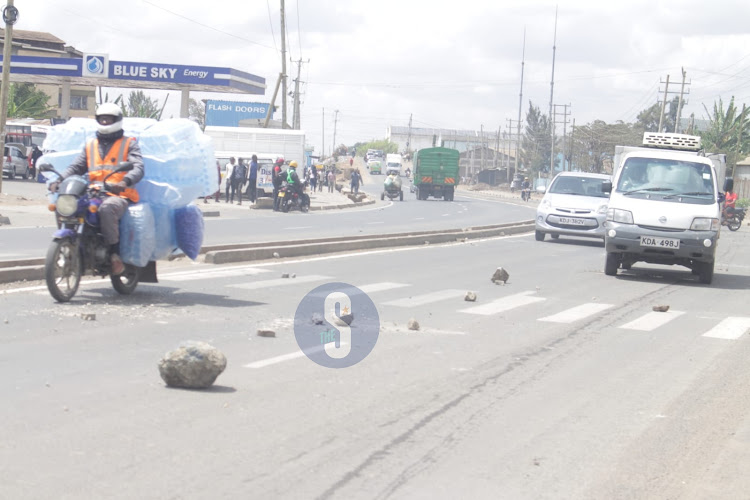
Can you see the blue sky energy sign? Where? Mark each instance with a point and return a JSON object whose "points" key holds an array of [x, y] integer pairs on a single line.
{"points": [[230, 113]]}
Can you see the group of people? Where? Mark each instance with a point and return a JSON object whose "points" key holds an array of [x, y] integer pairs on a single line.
{"points": [[236, 176]]}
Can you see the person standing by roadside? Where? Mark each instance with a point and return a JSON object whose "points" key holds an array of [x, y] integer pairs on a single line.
{"points": [[229, 168], [239, 177], [313, 178], [356, 181], [351, 161], [331, 181], [252, 185], [35, 155]]}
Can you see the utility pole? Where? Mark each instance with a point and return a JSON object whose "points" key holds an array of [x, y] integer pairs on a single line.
{"points": [[497, 147], [10, 13], [283, 67], [408, 139], [551, 95], [572, 134], [481, 135], [335, 122], [679, 106], [520, 104], [323, 128], [273, 102], [565, 114], [663, 105], [297, 119]]}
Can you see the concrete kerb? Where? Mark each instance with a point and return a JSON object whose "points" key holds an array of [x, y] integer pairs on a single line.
{"points": [[364, 243]]}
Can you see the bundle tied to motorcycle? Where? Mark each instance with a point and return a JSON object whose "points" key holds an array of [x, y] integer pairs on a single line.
{"points": [[179, 167]]}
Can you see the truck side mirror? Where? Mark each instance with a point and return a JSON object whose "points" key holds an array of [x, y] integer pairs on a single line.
{"points": [[722, 197], [607, 187]]}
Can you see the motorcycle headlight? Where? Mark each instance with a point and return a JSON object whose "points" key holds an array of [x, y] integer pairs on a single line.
{"points": [[621, 216], [602, 210], [704, 224], [67, 205]]}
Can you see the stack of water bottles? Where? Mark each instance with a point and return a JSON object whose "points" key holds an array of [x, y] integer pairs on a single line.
{"points": [[179, 167]]}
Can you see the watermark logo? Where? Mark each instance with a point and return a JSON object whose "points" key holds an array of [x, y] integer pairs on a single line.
{"points": [[96, 65], [336, 325]]}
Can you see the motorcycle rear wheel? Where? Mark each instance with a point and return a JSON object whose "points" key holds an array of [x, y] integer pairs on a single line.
{"points": [[62, 269], [734, 223], [126, 282]]}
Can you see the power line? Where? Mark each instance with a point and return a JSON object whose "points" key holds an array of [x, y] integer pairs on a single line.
{"points": [[270, 21], [207, 26]]}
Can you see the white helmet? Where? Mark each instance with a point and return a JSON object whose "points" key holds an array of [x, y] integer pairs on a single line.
{"points": [[114, 124]]}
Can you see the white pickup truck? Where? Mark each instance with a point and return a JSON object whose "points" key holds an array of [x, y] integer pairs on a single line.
{"points": [[665, 205]]}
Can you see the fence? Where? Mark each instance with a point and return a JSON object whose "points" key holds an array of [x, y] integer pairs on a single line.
{"points": [[742, 188]]}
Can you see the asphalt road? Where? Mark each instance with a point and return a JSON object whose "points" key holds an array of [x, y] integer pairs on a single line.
{"points": [[244, 226], [562, 383]]}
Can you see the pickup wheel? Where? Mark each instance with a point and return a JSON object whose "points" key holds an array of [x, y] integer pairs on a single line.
{"points": [[611, 264], [706, 272], [539, 236], [382, 196]]}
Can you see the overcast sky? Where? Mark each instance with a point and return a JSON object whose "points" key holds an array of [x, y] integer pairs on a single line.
{"points": [[450, 64]]}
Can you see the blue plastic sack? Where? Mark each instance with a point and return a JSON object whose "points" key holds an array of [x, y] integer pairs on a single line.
{"points": [[137, 235], [165, 241], [189, 225]]}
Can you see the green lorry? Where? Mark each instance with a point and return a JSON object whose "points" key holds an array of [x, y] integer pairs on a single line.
{"points": [[436, 173]]}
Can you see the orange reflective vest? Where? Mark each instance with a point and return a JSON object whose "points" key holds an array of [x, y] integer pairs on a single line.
{"points": [[98, 166]]}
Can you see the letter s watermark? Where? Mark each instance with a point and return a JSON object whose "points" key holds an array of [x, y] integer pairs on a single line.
{"points": [[341, 347]]}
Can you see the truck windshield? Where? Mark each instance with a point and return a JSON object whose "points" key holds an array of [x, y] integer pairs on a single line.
{"points": [[670, 178]]}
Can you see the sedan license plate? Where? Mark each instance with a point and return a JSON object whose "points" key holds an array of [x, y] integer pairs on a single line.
{"points": [[648, 241], [571, 221]]}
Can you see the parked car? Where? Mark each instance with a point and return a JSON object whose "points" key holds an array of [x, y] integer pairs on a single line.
{"points": [[15, 163], [574, 205]]}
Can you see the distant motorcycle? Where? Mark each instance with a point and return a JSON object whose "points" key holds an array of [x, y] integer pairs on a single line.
{"points": [[291, 199], [526, 194], [733, 218], [78, 247]]}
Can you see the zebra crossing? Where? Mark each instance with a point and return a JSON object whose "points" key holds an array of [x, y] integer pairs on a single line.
{"points": [[730, 328]]}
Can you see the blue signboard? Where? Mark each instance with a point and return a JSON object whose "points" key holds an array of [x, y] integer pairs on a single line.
{"points": [[229, 113]]}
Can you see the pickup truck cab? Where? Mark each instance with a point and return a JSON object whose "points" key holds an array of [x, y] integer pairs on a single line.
{"points": [[664, 205]]}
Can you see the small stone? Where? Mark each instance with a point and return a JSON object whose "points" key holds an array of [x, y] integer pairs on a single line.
{"points": [[294, 275], [276, 255], [5, 321], [284, 275], [317, 319], [500, 275], [65, 408], [266, 333], [470, 297], [193, 365], [413, 324], [88, 316], [661, 309], [347, 318]]}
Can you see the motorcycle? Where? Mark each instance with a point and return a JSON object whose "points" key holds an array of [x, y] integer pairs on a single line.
{"points": [[290, 199], [78, 247], [733, 217], [526, 194], [392, 187]]}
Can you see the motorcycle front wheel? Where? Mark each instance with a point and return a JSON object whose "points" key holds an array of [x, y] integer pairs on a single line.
{"points": [[126, 282], [734, 223], [62, 269]]}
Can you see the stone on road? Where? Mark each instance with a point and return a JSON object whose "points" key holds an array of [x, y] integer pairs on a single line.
{"points": [[193, 365], [500, 275]]}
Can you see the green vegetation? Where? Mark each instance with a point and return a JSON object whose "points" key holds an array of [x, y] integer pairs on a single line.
{"points": [[384, 144], [25, 101]]}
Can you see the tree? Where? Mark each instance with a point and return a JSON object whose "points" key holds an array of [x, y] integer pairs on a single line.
{"points": [[383, 144], [729, 132], [26, 101], [648, 119], [197, 113], [593, 144], [535, 143], [140, 105]]}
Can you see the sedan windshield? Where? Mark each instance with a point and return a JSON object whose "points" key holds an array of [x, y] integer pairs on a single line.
{"points": [[580, 186], [672, 178]]}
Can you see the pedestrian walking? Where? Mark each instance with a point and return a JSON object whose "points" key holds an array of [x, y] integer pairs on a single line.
{"points": [[228, 169], [356, 181], [252, 185], [277, 177], [331, 181], [351, 161], [313, 178]]}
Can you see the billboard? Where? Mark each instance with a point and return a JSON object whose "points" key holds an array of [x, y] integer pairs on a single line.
{"points": [[230, 113]]}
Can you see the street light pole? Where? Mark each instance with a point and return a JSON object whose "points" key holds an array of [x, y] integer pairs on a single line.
{"points": [[10, 16]]}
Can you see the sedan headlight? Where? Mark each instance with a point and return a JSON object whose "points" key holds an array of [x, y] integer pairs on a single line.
{"points": [[621, 216], [602, 210], [67, 205], [545, 204], [704, 224]]}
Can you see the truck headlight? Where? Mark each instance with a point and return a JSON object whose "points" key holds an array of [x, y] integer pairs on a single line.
{"points": [[704, 224], [602, 210], [67, 205], [621, 216]]}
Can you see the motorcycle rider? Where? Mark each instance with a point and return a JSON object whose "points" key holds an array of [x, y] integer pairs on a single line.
{"points": [[525, 189], [277, 178], [730, 200], [109, 148], [293, 182]]}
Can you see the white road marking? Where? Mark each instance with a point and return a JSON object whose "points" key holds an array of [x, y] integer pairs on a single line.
{"points": [[285, 357], [577, 313], [377, 222], [652, 321], [419, 218], [298, 227], [427, 298], [731, 328], [257, 285], [205, 274], [504, 304], [381, 287]]}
